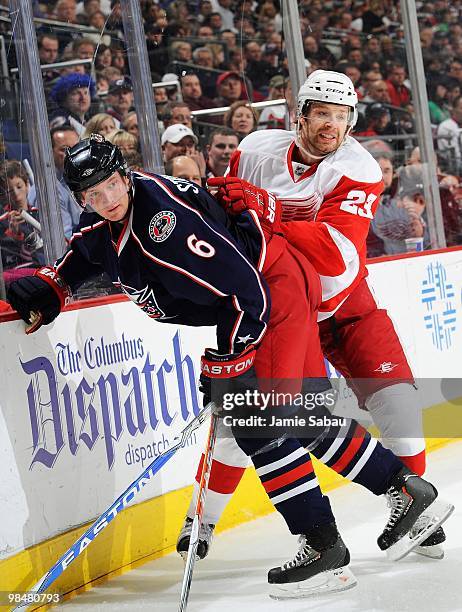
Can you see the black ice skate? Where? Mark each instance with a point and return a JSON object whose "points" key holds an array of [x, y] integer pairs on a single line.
{"points": [[320, 566], [205, 539], [411, 499]]}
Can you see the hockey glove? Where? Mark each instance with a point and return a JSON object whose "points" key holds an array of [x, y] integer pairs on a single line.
{"points": [[236, 196], [226, 374], [39, 299]]}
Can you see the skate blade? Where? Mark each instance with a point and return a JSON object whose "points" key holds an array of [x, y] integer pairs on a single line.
{"points": [[438, 512], [432, 552], [330, 581]]}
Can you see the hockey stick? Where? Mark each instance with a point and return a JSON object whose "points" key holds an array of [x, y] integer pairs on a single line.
{"points": [[120, 503], [200, 504]]}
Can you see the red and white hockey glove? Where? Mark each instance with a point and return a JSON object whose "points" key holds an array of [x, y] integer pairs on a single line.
{"points": [[226, 374], [39, 299], [236, 196]]}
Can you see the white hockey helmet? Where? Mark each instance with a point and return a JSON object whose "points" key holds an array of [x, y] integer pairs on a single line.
{"points": [[330, 87]]}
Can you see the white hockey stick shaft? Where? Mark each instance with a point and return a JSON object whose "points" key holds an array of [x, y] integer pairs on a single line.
{"points": [[200, 505], [120, 503]]}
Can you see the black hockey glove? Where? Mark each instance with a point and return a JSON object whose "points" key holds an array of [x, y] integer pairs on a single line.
{"points": [[39, 299], [226, 374]]}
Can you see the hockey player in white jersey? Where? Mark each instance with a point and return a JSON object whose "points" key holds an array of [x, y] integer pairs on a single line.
{"points": [[329, 186]]}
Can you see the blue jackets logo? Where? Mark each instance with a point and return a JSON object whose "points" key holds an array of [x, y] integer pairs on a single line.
{"points": [[437, 294], [162, 225]]}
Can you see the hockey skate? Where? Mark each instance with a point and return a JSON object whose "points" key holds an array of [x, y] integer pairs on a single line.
{"points": [[416, 513], [319, 567], [205, 539]]}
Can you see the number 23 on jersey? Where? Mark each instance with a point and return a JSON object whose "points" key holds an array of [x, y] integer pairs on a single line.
{"points": [[357, 203]]}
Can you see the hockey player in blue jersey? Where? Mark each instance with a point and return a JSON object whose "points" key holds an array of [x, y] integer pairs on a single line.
{"points": [[175, 253]]}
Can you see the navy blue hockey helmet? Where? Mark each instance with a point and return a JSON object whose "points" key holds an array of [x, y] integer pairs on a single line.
{"points": [[90, 162]]}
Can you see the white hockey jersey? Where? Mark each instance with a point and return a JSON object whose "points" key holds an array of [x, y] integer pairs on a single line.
{"points": [[327, 207]]}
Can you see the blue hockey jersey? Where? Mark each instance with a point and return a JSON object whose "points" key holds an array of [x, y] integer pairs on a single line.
{"points": [[180, 259]]}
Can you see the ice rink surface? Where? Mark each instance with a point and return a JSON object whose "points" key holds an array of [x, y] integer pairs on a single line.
{"points": [[233, 577]]}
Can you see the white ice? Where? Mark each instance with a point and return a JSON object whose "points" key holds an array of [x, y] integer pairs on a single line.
{"points": [[233, 577]]}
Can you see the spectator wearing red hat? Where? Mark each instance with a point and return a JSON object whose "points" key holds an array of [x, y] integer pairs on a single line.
{"points": [[229, 88]]}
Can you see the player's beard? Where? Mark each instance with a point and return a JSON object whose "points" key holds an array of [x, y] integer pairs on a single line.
{"points": [[310, 151]]}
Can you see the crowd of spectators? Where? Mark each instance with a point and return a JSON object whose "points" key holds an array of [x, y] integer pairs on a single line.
{"points": [[219, 55]]}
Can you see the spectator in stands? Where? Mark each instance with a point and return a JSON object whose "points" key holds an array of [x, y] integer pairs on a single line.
{"points": [[377, 91], [130, 124], [222, 144], [192, 93], [111, 73], [399, 93], [120, 99], [72, 94], [119, 56], [20, 242], [229, 38], [241, 118], [205, 31], [223, 7], [369, 77], [66, 11], [455, 71], [177, 140], [181, 51], [48, 47], [160, 98], [372, 50], [103, 57], [400, 217], [229, 88], [378, 120], [203, 56], [62, 138], [102, 123], [157, 50], [97, 20], [390, 53], [258, 70], [83, 48], [177, 112], [134, 161], [318, 53], [215, 22], [449, 136], [373, 18], [437, 101], [184, 167], [127, 142], [274, 116], [205, 9]]}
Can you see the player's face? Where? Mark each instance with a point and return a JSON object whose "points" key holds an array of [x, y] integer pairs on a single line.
{"points": [[109, 198], [323, 129]]}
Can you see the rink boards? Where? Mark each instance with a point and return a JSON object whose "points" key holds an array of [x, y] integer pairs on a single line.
{"points": [[88, 402]]}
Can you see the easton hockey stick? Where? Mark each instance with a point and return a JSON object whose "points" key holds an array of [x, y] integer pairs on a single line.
{"points": [[200, 504], [120, 503]]}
